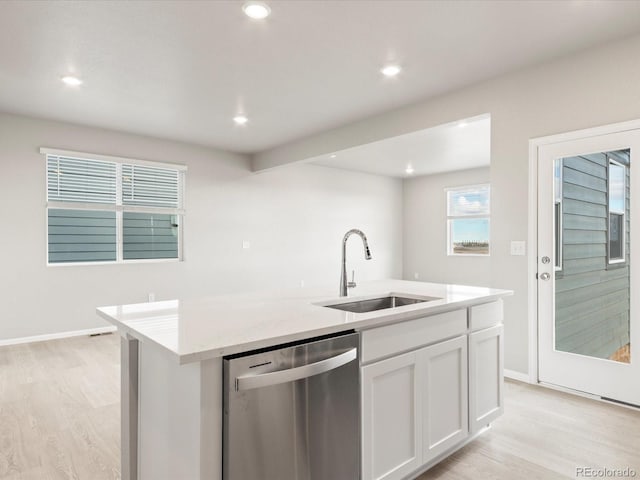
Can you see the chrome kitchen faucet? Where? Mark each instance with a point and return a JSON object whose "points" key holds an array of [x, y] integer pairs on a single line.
{"points": [[344, 285]]}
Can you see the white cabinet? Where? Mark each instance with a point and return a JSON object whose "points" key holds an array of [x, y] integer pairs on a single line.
{"points": [[444, 396], [414, 408], [485, 377], [419, 405], [391, 418]]}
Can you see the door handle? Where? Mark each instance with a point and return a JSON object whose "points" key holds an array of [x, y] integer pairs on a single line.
{"points": [[545, 276], [247, 382]]}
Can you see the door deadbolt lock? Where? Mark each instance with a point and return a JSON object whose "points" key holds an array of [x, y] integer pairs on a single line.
{"points": [[545, 276], [546, 260]]}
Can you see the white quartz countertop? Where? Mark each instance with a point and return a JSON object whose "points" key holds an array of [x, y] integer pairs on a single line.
{"points": [[197, 329]]}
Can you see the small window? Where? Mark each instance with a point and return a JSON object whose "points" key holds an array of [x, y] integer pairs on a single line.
{"points": [[112, 211], [468, 222], [557, 213], [617, 211]]}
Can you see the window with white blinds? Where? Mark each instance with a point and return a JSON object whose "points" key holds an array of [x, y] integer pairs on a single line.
{"points": [[149, 186], [112, 211]]}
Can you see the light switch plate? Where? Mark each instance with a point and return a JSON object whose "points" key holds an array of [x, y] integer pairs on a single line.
{"points": [[246, 244], [518, 247]]}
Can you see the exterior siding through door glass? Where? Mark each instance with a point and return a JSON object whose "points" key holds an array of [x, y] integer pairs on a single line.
{"points": [[592, 297]]}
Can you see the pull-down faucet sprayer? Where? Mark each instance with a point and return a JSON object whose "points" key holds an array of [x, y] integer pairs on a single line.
{"points": [[344, 285]]}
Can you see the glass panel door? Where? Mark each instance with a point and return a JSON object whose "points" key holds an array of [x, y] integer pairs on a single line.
{"points": [[587, 316]]}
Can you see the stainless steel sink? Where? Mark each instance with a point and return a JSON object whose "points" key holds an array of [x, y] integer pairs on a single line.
{"points": [[381, 303]]}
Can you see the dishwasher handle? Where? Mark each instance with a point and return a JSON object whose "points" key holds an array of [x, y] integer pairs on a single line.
{"points": [[248, 382]]}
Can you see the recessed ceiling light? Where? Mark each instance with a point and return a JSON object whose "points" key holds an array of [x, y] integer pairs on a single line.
{"points": [[240, 119], [462, 124], [391, 70], [71, 81], [333, 156], [409, 170], [256, 10]]}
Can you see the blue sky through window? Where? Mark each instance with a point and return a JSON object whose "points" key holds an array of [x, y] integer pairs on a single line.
{"points": [[470, 230], [470, 201], [468, 209]]}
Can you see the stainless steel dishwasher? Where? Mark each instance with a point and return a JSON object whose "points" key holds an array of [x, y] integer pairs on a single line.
{"points": [[293, 412]]}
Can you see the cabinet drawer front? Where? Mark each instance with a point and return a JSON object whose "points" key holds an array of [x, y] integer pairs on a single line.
{"points": [[404, 336], [485, 315]]}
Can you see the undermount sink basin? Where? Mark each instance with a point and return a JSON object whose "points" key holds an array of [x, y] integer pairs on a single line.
{"points": [[380, 303]]}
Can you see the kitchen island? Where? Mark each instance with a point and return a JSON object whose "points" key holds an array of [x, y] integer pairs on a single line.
{"points": [[446, 353]]}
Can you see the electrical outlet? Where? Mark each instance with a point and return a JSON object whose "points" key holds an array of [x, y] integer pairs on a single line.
{"points": [[246, 244], [416, 276], [152, 297]]}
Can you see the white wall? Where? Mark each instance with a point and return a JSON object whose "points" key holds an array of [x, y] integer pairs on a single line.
{"points": [[425, 231], [294, 218], [592, 88]]}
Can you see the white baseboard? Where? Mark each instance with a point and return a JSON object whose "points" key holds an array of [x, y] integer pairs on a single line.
{"points": [[56, 336], [519, 376]]}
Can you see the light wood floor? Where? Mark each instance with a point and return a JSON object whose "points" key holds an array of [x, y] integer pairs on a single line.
{"points": [[546, 434], [60, 410], [60, 415]]}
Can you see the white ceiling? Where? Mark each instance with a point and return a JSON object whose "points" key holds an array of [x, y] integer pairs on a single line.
{"points": [[454, 146], [183, 69]]}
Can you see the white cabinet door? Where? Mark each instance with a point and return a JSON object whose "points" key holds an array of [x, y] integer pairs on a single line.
{"points": [[444, 396], [485, 377], [391, 418]]}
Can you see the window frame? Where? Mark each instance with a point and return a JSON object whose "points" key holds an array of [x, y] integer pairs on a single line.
{"points": [[452, 218], [623, 233], [118, 207]]}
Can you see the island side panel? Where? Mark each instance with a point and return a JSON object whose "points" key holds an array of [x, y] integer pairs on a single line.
{"points": [[129, 407], [170, 415], [211, 415]]}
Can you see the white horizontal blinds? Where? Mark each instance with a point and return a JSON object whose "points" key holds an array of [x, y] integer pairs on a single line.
{"points": [[80, 180], [150, 186]]}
